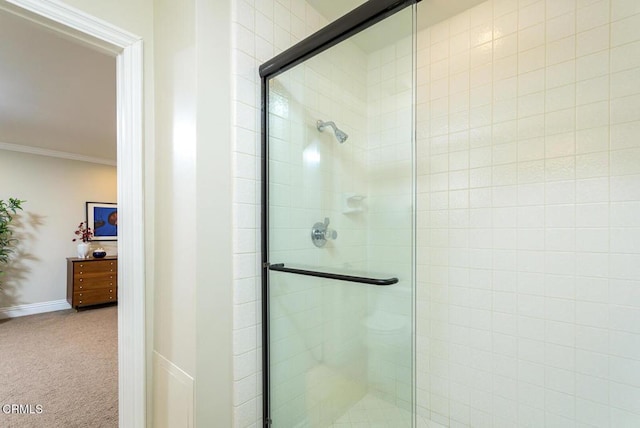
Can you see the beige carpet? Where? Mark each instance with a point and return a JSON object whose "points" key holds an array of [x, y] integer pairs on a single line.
{"points": [[66, 362]]}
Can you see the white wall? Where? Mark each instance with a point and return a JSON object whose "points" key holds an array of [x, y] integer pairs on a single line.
{"points": [[56, 191], [193, 289], [175, 143], [529, 170]]}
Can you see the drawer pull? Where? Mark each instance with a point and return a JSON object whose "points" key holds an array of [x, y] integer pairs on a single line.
{"points": [[80, 280]]}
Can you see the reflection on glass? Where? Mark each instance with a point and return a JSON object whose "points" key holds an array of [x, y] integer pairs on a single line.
{"points": [[341, 350]]}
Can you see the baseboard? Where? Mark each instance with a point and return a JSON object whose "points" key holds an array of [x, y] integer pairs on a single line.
{"points": [[34, 308]]}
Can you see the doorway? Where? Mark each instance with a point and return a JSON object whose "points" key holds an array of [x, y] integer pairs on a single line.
{"points": [[131, 269]]}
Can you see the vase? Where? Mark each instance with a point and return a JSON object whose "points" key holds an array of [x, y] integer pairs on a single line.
{"points": [[99, 253], [83, 249]]}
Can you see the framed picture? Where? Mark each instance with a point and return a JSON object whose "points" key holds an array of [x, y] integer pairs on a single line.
{"points": [[102, 218]]}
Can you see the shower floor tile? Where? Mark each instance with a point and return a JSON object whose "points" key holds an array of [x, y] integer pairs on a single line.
{"points": [[373, 412]]}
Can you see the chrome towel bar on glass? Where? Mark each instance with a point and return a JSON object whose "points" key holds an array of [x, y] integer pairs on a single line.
{"points": [[280, 267]]}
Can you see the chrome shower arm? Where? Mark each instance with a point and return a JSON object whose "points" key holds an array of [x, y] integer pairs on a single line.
{"points": [[340, 134], [321, 125]]}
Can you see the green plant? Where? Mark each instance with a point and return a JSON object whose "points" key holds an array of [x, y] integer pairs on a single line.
{"points": [[7, 241]]}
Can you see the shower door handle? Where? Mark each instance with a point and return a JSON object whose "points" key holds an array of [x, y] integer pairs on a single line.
{"points": [[280, 267]]}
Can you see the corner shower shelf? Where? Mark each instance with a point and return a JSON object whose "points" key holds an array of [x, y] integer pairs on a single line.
{"points": [[280, 267], [352, 203]]}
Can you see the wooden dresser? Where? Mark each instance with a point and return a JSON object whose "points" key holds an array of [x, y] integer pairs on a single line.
{"points": [[92, 281]]}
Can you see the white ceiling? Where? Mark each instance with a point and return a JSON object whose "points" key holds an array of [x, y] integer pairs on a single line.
{"points": [[56, 94]]}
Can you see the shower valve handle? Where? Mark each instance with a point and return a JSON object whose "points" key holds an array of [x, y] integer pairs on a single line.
{"points": [[321, 232], [329, 233]]}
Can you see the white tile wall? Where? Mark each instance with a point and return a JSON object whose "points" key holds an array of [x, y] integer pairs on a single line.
{"points": [[261, 29], [529, 170]]}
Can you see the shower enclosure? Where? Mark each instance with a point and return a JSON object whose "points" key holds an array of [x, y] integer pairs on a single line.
{"points": [[338, 223], [527, 218]]}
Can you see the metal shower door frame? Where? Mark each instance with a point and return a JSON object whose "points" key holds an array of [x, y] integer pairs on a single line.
{"points": [[359, 19]]}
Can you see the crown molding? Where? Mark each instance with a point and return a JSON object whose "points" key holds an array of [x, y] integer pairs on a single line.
{"points": [[55, 154]]}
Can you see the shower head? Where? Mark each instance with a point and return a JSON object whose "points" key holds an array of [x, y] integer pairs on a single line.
{"points": [[340, 135]]}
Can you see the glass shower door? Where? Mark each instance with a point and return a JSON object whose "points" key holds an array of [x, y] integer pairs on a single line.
{"points": [[340, 212]]}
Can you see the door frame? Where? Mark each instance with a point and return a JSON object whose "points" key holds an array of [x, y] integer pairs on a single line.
{"points": [[127, 49]]}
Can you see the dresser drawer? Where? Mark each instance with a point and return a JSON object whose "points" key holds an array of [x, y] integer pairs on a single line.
{"points": [[94, 297], [94, 276], [99, 266], [95, 283]]}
